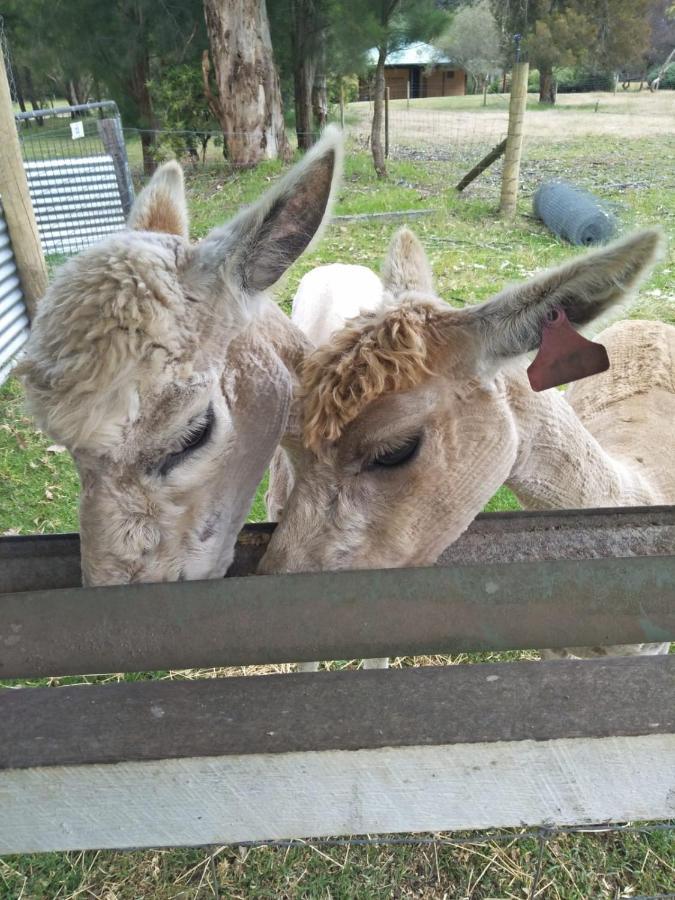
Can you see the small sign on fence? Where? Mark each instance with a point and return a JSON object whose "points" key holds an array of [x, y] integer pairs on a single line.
{"points": [[76, 130]]}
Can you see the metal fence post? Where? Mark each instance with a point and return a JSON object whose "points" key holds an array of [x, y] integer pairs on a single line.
{"points": [[23, 230], [110, 132]]}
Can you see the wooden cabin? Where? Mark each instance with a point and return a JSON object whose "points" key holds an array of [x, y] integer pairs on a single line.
{"points": [[421, 69]]}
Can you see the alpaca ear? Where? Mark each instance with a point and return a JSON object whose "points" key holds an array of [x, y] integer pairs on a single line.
{"points": [[406, 267], [264, 240], [161, 204], [584, 289]]}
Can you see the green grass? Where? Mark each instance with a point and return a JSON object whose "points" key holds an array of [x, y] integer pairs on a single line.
{"points": [[473, 255], [38, 482]]}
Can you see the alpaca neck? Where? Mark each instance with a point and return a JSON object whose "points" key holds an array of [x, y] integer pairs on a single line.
{"points": [[560, 465]]}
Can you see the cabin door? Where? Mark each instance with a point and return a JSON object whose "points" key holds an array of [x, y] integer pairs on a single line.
{"points": [[415, 82]]}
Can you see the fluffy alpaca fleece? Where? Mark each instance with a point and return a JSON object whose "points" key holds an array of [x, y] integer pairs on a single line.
{"points": [[449, 388], [112, 324], [374, 354], [165, 370], [326, 299]]}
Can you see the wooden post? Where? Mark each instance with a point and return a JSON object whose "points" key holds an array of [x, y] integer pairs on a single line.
{"points": [[407, 94], [342, 104], [487, 161], [386, 122], [16, 202], [514, 140], [110, 132]]}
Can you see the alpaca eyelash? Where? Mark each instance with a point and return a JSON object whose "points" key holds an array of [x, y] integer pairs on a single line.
{"points": [[198, 433], [197, 430], [389, 456]]}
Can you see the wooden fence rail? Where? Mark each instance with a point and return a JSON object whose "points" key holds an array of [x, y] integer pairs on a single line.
{"points": [[337, 753], [174, 762]]}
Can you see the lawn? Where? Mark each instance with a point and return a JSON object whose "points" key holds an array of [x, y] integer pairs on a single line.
{"points": [[473, 255]]}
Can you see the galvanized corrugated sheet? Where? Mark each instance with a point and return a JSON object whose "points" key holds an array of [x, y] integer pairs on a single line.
{"points": [[14, 322], [76, 201]]}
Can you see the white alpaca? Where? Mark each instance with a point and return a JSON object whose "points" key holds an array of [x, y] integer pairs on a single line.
{"points": [[165, 370], [329, 295]]}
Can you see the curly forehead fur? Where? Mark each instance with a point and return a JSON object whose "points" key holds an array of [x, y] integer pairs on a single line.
{"points": [[108, 309], [384, 351]]}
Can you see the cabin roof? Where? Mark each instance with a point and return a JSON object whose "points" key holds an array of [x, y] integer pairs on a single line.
{"points": [[415, 54]]}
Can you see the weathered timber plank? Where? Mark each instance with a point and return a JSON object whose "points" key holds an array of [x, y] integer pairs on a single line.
{"points": [[346, 759], [140, 721], [219, 800], [369, 613], [42, 562]]}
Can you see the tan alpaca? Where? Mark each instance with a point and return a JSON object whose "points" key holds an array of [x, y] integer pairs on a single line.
{"points": [[414, 416], [165, 370]]}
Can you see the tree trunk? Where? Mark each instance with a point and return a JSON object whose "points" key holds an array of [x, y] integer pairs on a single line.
{"points": [[137, 87], [547, 85], [72, 97], [304, 82], [19, 92], [30, 93], [376, 144], [320, 88], [304, 69], [248, 84], [320, 102]]}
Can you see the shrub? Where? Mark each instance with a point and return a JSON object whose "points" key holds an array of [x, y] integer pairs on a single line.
{"points": [[578, 80], [180, 102]]}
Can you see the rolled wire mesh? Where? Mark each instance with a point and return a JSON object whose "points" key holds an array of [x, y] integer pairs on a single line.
{"points": [[573, 214]]}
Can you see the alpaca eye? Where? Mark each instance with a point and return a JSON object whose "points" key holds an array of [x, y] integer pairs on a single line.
{"points": [[398, 456], [198, 434]]}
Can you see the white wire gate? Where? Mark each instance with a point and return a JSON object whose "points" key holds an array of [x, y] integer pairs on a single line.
{"points": [[78, 173]]}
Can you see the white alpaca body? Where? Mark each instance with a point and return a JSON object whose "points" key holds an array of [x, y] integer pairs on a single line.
{"points": [[329, 295]]}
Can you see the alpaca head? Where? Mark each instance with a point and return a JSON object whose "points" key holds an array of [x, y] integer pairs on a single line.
{"points": [[409, 415], [146, 362]]}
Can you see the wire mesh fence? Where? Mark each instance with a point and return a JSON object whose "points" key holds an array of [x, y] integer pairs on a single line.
{"points": [[80, 162], [14, 325]]}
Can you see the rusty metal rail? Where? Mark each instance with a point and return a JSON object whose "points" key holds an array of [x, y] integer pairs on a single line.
{"points": [[44, 562]]}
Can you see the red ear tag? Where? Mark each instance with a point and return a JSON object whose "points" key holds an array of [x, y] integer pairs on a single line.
{"points": [[564, 355]]}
